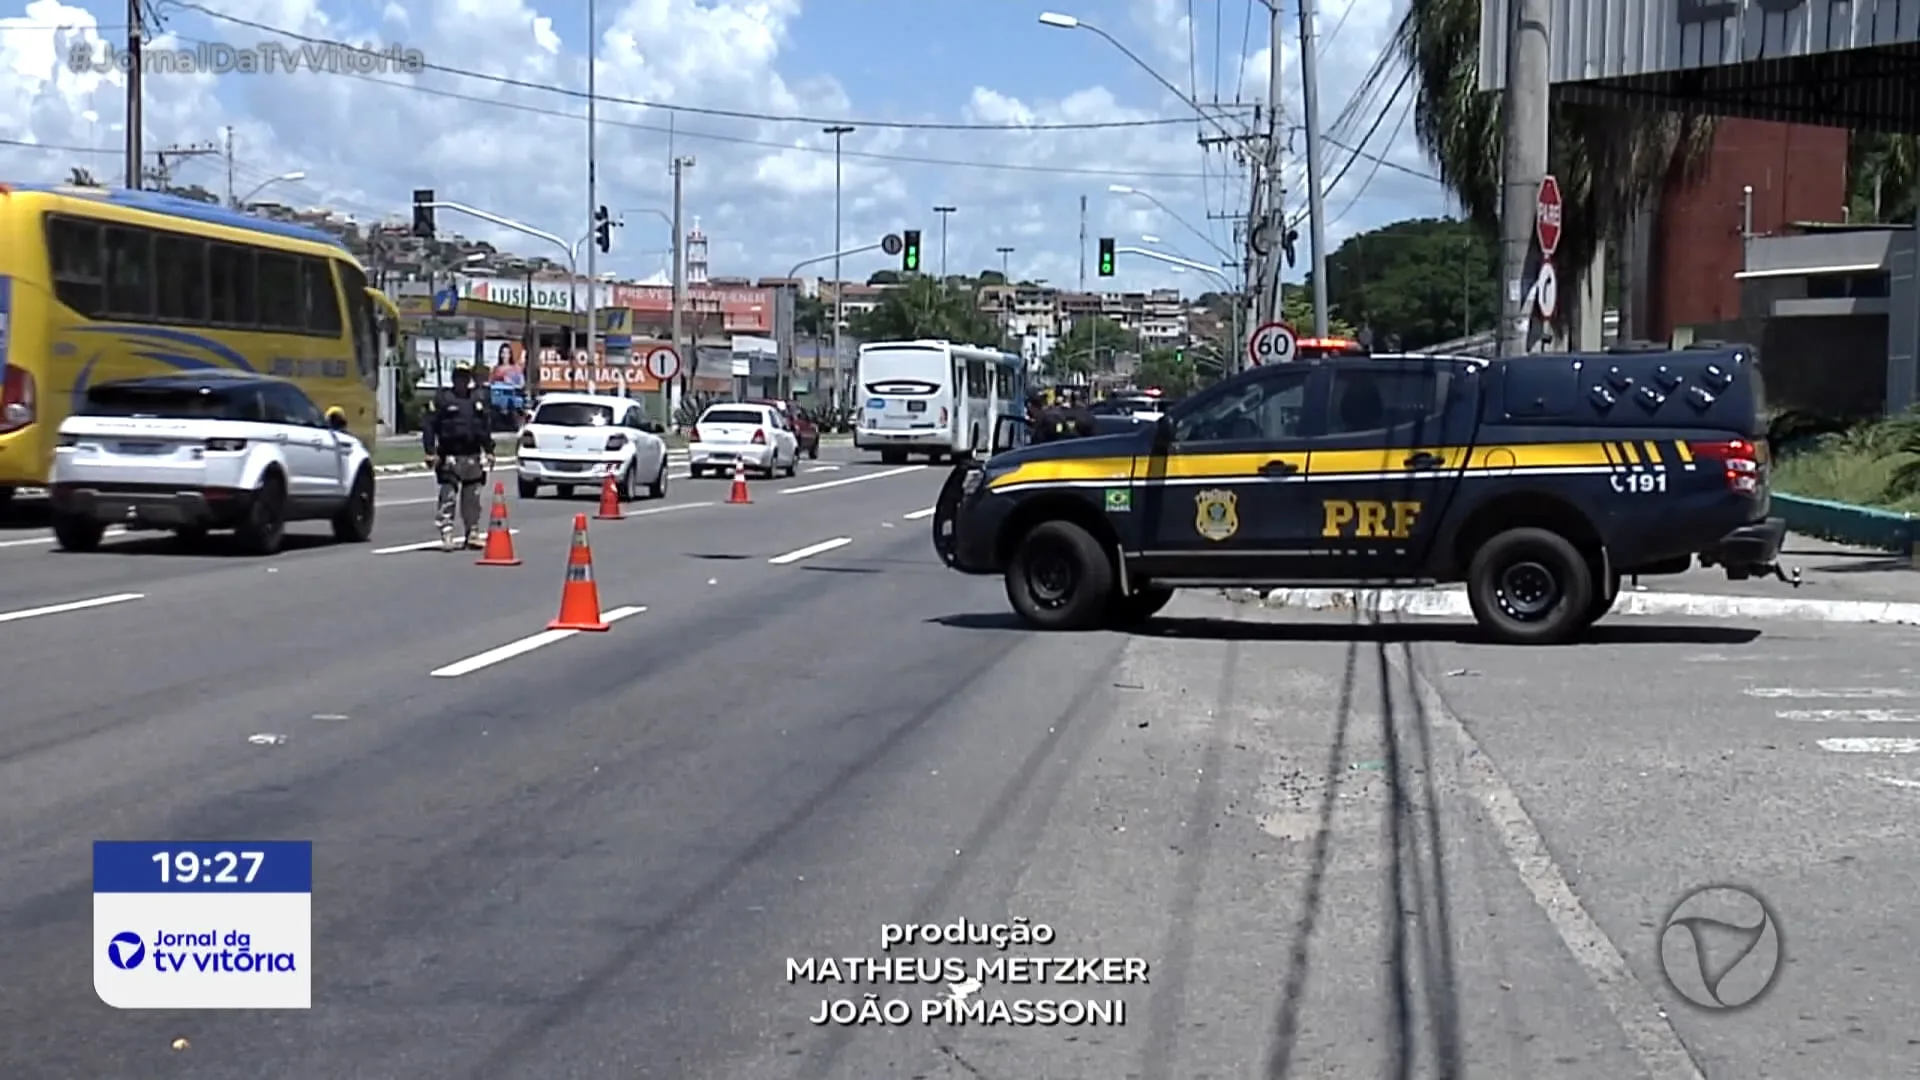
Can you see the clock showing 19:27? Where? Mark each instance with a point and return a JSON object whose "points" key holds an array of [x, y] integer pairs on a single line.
{"points": [[203, 924]]}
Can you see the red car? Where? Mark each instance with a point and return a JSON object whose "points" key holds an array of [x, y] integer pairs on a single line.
{"points": [[805, 431]]}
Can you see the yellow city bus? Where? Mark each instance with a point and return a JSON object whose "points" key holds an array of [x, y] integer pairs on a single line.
{"points": [[99, 284]]}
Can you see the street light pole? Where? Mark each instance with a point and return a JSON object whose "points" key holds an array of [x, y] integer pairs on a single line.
{"points": [[283, 178], [1316, 204], [593, 187], [1004, 252], [838, 131], [943, 211]]}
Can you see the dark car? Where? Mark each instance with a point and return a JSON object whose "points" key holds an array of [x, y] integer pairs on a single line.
{"points": [[805, 431]]}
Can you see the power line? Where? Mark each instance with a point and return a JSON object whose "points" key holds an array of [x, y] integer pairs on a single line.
{"points": [[694, 110], [1405, 111], [1379, 118]]}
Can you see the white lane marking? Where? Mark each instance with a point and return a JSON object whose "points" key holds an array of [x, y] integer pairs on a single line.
{"points": [[1636, 1011], [33, 541], [1850, 692], [811, 550], [646, 511], [72, 605], [1852, 716], [1898, 781], [522, 647], [843, 481], [1871, 746], [918, 514], [421, 546], [823, 468], [406, 502]]}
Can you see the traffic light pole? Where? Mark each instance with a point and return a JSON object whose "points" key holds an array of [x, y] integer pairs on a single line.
{"points": [[790, 347]]}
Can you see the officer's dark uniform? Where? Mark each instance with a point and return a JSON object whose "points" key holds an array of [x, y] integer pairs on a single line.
{"points": [[458, 437]]}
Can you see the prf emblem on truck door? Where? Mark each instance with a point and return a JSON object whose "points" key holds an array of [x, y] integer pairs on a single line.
{"points": [[1216, 516]]}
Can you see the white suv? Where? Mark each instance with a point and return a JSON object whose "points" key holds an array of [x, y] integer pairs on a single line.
{"points": [[585, 438], [206, 450]]}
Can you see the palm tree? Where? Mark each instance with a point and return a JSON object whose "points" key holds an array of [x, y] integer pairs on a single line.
{"points": [[81, 177], [925, 308], [1881, 171], [1612, 164]]}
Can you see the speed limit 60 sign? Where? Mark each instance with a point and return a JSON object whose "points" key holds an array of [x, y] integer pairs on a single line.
{"points": [[1271, 344]]}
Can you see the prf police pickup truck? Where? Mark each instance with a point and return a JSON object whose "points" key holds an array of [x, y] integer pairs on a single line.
{"points": [[1539, 482]]}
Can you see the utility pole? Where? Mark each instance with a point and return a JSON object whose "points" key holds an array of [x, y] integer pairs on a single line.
{"points": [[136, 33], [838, 131], [680, 165], [230, 201], [162, 172], [1083, 243], [1525, 163], [1316, 205], [943, 211], [593, 198], [1004, 252], [1275, 225], [1251, 274]]}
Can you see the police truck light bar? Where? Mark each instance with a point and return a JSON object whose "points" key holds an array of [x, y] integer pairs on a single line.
{"points": [[1106, 256]]}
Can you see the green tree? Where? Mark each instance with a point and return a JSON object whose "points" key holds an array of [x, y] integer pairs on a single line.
{"points": [[1425, 281], [810, 316], [991, 277], [1609, 162], [1172, 370], [924, 308], [1880, 177], [1089, 345], [885, 277], [1296, 307]]}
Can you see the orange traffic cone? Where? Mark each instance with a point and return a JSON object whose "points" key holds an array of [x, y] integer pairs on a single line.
{"points": [[499, 549], [579, 597], [738, 496], [610, 501]]}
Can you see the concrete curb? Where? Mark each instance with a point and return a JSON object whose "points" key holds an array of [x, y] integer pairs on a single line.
{"points": [[1844, 523], [1452, 603]]}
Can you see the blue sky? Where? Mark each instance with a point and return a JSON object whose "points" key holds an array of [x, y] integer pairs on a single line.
{"points": [[762, 189]]}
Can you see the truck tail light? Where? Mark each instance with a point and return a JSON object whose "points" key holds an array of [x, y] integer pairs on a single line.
{"points": [[693, 434], [1739, 461], [759, 437], [527, 441]]}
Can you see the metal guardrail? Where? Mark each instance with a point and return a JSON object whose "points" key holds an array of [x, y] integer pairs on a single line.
{"points": [[1844, 523]]}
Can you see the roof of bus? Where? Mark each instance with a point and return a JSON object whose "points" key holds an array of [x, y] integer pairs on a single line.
{"points": [[155, 202]]}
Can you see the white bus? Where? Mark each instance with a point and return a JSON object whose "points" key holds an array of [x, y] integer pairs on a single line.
{"points": [[936, 398]]}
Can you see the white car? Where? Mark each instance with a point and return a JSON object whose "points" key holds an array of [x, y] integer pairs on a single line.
{"points": [[756, 436], [204, 450], [575, 439]]}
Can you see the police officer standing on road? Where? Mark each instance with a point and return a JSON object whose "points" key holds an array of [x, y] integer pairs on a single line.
{"points": [[458, 438], [1043, 421]]}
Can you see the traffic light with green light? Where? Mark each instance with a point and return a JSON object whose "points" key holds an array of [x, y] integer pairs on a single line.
{"points": [[910, 252], [1106, 256]]}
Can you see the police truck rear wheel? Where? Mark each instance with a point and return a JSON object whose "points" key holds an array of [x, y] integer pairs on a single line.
{"points": [[529, 489], [1060, 578], [1530, 587]]}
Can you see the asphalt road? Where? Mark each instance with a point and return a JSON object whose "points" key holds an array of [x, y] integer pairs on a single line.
{"points": [[595, 858]]}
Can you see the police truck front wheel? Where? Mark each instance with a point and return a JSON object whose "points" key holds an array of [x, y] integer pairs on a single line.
{"points": [[529, 489], [1530, 587], [1060, 578]]}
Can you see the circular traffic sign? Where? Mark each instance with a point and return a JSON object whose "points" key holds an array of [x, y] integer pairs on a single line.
{"points": [[1546, 291], [891, 243], [1548, 211], [663, 363], [1273, 343]]}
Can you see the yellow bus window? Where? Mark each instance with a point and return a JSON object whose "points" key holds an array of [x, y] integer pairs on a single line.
{"points": [[129, 273], [230, 285], [180, 262], [79, 280], [280, 299]]}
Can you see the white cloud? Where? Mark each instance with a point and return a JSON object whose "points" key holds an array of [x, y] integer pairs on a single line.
{"points": [[764, 190]]}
